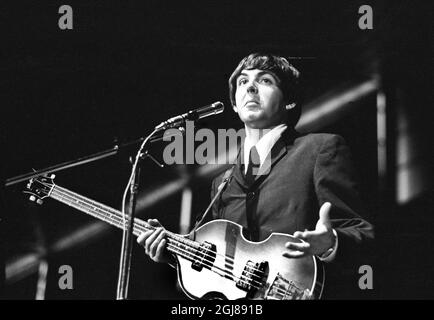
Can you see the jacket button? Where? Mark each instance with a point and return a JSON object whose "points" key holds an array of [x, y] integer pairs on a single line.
{"points": [[251, 194]]}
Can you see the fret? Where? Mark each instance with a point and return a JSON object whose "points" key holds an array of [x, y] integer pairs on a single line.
{"points": [[96, 205], [184, 247], [187, 251], [95, 209], [83, 206], [203, 255], [179, 245]]}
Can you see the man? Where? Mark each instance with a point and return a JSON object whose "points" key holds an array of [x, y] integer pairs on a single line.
{"points": [[293, 184]]}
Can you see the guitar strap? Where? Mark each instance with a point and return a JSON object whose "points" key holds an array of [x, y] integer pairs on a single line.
{"points": [[225, 181]]}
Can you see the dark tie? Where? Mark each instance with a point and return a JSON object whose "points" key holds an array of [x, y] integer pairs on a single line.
{"points": [[253, 165]]}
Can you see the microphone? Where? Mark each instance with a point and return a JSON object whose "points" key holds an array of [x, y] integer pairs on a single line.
{"points": [[193, 115]]}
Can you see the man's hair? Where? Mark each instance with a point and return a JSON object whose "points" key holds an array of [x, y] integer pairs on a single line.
{"points": [[286, 73]]}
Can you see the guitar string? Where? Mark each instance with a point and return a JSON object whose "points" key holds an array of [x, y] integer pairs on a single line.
{"points": [[202, 258], [115, 222], [142, 228], [115, 213], [188, 255], [136, 221], [146, 226], [277, 289], [226, 273]]}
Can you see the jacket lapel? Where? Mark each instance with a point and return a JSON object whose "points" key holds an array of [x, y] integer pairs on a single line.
{"points": [[277, 152]]}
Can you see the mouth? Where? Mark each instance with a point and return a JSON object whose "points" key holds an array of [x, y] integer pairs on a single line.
{"points": [[251, 103]]}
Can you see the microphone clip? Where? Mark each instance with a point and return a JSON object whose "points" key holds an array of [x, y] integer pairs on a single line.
{"points": [[146, 154]]}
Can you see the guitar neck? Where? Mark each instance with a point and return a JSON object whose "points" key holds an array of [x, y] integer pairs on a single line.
{"points": [[176, 244]]}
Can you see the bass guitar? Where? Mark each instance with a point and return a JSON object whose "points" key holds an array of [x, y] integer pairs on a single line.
{"points": [[216, 261]]}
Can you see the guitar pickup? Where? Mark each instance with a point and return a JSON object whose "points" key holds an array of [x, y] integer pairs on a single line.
{"points": [[252, 277], [204, 256]]}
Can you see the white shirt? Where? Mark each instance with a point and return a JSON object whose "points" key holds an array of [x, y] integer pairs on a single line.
{"points": [[264, 146]]}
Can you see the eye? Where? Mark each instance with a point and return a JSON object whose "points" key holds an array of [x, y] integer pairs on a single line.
{"points": [[267, 80], [242, 81]]}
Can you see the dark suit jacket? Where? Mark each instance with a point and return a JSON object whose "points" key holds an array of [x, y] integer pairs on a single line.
{"points": [[304, 172]]}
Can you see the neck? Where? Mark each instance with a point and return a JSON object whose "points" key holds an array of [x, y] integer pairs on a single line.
{"points": [[254, 135]]}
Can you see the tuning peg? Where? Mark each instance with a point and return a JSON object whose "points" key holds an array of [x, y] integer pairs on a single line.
{"points": [[52, 176], [39, 201]]}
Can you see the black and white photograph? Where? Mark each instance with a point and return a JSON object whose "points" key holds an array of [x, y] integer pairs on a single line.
{"points": [[239, 151]]}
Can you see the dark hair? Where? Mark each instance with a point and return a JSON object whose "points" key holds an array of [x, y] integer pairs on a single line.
{"points": [[287, 74]]}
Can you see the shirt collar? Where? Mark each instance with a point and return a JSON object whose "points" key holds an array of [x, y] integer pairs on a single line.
{"points": [[264, 145]]}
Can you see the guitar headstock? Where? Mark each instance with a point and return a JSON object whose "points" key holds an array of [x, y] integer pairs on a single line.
{"points": [[40, 188]]}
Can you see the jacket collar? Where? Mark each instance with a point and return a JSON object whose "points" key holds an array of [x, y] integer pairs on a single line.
{"points": [[279, 149]]}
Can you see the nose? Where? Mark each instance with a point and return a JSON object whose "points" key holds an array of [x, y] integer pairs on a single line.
{"points": [[251, 88]]}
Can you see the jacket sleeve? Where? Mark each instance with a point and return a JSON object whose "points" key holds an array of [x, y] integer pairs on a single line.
{"points": [[334, 180]]}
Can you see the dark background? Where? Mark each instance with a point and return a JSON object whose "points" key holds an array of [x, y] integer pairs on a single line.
{"points": [[128, 65]]}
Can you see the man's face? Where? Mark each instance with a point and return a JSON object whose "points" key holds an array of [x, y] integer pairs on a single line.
{"points": [[259, 100]]}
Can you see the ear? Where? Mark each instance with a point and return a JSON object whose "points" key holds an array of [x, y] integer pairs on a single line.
{"points": [[235, 108]]}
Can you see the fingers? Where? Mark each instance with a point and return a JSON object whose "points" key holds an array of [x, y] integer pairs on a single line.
{"points": [[306, 235], [154, 222], [143, 236], [296, 249], [160, 249], [300, 234], [153, 242], [150, 240], [324, 213], [294, 254], [300, 246]]}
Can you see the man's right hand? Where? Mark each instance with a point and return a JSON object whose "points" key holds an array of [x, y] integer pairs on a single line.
{"points": [[154, 242]]}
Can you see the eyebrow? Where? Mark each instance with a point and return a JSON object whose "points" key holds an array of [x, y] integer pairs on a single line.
{"points": [[260, 73]]}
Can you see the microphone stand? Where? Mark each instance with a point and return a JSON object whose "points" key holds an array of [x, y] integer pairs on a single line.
{"points": [[83, 160], [126, 250], [127, 240], [133, 185]]}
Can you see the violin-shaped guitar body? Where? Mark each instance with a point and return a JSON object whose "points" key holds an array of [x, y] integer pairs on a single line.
{"points": [[228, 266]]}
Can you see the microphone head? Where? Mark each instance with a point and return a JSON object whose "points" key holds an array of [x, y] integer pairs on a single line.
{"points": [[203, 112], [209, 110]]}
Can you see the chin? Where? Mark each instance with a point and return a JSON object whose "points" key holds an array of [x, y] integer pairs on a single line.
{"points": [[260, 123], [255, 124], [252, 116]]}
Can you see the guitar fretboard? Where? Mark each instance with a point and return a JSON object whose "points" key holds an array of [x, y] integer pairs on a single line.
{"points": [[186, 248]]}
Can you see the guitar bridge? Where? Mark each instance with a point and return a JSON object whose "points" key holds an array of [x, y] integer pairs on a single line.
{"points": [[204, 256], [252, 277], [283, 289]]}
